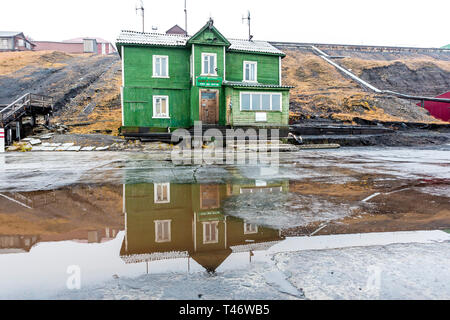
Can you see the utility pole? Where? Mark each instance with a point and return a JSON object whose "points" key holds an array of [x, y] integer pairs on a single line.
{"points": [[140, 7], [185, 17], [249, 25]]}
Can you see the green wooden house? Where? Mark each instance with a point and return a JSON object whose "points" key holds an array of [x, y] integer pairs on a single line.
{"points": [[170, 81]]}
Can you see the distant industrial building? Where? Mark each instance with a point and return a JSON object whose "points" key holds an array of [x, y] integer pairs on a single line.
{"points": [[77, 45], [14, 41]]}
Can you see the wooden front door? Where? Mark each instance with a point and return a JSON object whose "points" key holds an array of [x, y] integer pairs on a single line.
{"points": [[209, 196], [209, 106]]}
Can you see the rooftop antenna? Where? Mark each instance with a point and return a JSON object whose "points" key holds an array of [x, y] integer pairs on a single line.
{"points": [[185, 17], [248, 18], [140, 7]]}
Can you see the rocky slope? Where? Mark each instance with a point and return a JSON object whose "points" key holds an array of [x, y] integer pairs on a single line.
{"points": [[86, 88], [322, 91]]}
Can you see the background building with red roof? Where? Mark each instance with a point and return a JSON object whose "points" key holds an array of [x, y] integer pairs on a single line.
{"points": [[77, 45]]}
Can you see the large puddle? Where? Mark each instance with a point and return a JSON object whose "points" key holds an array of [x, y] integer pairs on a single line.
{"points": [[231, 221]]}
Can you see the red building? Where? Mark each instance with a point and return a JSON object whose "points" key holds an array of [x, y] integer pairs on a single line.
{"points": [[77, 45], [439, 110]]}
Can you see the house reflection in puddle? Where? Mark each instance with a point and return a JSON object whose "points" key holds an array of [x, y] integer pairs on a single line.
{"points": [[17, 243], [79, 213], [169, 221]]}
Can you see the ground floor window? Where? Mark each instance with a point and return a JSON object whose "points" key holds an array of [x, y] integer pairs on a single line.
{"points": [[161, 107], [210, 232], [258, 101], [162, 192], [163, 231]]}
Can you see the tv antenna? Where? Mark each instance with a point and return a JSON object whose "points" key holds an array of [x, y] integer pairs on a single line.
{"points": [[140, 7], [248, 18], [185, 17]]}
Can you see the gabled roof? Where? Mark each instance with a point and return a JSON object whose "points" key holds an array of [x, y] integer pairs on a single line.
{"points": [[152, 39], [207, 30], [175, 40], [253, 46], [9, 33], [176, 29], [81, 40]]}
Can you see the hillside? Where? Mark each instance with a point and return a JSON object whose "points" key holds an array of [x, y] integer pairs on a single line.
{"points": [[85, 87], [322, 91]]}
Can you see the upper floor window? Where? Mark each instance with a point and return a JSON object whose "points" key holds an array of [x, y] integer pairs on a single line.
{"points": [[250, 71], [161, 107], [209, 64], [160, 66]]}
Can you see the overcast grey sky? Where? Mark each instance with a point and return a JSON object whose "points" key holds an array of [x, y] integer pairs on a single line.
{"points": [[381, 22]]}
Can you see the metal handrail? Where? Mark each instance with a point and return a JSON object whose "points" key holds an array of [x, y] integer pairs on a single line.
{"points": [[21, 99], [25, 100]]}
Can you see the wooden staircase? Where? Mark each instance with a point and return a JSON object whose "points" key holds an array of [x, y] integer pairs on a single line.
{"points": [[28, 104]]}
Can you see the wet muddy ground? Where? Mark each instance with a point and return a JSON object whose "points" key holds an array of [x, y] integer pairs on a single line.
{"points": [[140, 227]]}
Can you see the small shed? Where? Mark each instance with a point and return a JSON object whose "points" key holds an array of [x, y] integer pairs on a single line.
{"points": [[14, 41]]}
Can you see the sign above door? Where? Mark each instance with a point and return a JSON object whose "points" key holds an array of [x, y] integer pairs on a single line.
{"points": [[209, 82]]}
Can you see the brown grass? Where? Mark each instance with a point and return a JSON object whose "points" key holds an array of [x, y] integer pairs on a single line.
{"points": [[107, 115], [13, 61], [320, 90]]}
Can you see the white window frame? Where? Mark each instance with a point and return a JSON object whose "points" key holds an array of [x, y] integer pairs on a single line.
{"points": [[154, 66], [4, 43], [251, 93], [155, 192], [167, 116], [255, 63], [204, 54], [168, 237], [208, 224], [253, 229]]}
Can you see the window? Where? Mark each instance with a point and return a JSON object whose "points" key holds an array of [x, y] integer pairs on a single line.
{"points": [[163, 231], [89, 45], [21, 43], [160, 66], [4, 44], [210, 232], [250, 71], [209, 64], [250, 228], [161, 107], [162, 192], [260, 101]]}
